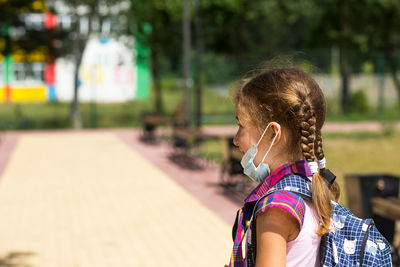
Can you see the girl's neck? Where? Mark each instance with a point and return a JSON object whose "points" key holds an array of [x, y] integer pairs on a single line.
{"points": [[280, 160]]}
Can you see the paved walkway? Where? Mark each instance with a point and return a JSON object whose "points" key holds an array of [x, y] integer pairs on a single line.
{"points": [[91, 199]]}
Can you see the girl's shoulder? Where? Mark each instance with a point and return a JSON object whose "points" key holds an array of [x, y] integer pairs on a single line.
{"points": [[285, 200]]}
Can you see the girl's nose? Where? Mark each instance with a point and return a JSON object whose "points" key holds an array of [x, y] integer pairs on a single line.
{"points": [[235, 141]]}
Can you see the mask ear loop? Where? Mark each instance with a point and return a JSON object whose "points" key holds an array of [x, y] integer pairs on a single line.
{"points": [[273, 140], [266, 129]]}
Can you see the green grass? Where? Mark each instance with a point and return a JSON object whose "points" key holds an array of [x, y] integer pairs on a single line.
{"points": [[388, 113], [353, 153], [377, 154], [217, 109], [359, 135], [56, 115]]}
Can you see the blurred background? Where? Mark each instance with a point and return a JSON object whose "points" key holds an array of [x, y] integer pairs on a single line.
{"points": [[74, 64], [144, 64], [108, 63]]}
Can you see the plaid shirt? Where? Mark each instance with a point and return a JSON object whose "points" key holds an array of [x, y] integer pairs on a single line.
{"points": [[282, 199]]}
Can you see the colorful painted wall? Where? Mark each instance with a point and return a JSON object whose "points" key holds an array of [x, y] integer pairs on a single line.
{"points": [[23, 81], [111, 71], [107, 72]]}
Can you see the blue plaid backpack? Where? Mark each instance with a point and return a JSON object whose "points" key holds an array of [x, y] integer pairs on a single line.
{"points": [[351, 242]]}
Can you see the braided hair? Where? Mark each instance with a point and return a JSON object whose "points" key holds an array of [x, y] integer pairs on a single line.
{"points": [[292, 98]]}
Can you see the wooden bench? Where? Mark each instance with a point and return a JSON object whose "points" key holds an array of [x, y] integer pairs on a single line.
{"points": [[230, 166], [231, 169], [150, 121], [196, 136], [186, 144], [186, 138], [388, 207], [375, 195]]}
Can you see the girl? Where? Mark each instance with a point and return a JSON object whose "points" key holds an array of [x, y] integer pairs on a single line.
{"points": [[280, 113]]}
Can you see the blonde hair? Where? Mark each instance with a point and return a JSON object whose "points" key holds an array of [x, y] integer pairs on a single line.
{"points": [[292, 98]]}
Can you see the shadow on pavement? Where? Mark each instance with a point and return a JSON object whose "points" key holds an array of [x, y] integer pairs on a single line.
{"points": [[16, 259], [150, 140], [236, 192], [187, 161]]}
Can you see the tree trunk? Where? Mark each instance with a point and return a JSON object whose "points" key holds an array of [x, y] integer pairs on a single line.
{"points": [[345, 82], [343, 63], [198, 64], [79, 46], [393, 71], [186, 60], [76, 119], [155, 68]]}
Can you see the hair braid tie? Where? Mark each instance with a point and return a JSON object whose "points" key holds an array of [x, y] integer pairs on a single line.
{"points": [[313, 167], [322, 163]]}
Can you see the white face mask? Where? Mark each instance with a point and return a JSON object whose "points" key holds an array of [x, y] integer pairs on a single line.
{"points": [[258, 173]]}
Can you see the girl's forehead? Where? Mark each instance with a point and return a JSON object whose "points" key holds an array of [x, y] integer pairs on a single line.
{"points": [[239, 114], [242, 116], [240, 110]]}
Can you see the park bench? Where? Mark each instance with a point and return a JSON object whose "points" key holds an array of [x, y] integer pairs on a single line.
{"points": [[150, 121], [377, 196], [186, 145], [387, 207], [194, 136], [188, 141], [189, 138], [183, 137], [230, 167]]}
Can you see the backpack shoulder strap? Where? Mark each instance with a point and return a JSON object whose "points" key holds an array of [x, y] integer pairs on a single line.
{"points": [[297, 184], [292, 183]]}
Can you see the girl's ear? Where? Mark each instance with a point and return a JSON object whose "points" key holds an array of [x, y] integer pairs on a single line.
{"points": [[276, 131]]}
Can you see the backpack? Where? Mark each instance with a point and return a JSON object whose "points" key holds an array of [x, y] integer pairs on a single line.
{"points": [[351, 242]]}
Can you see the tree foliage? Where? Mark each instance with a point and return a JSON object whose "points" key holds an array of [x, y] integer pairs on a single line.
{"points": [[361, 30], [249, 32], [158, 24], [256, 30], [11, 20], [245, 32], [382, 31]]}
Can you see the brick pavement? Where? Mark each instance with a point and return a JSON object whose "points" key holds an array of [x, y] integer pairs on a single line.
{"points": [[202, 182], [83, 199]]}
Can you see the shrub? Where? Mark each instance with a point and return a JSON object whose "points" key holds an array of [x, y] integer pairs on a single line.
{"points": [[359, 102]]}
